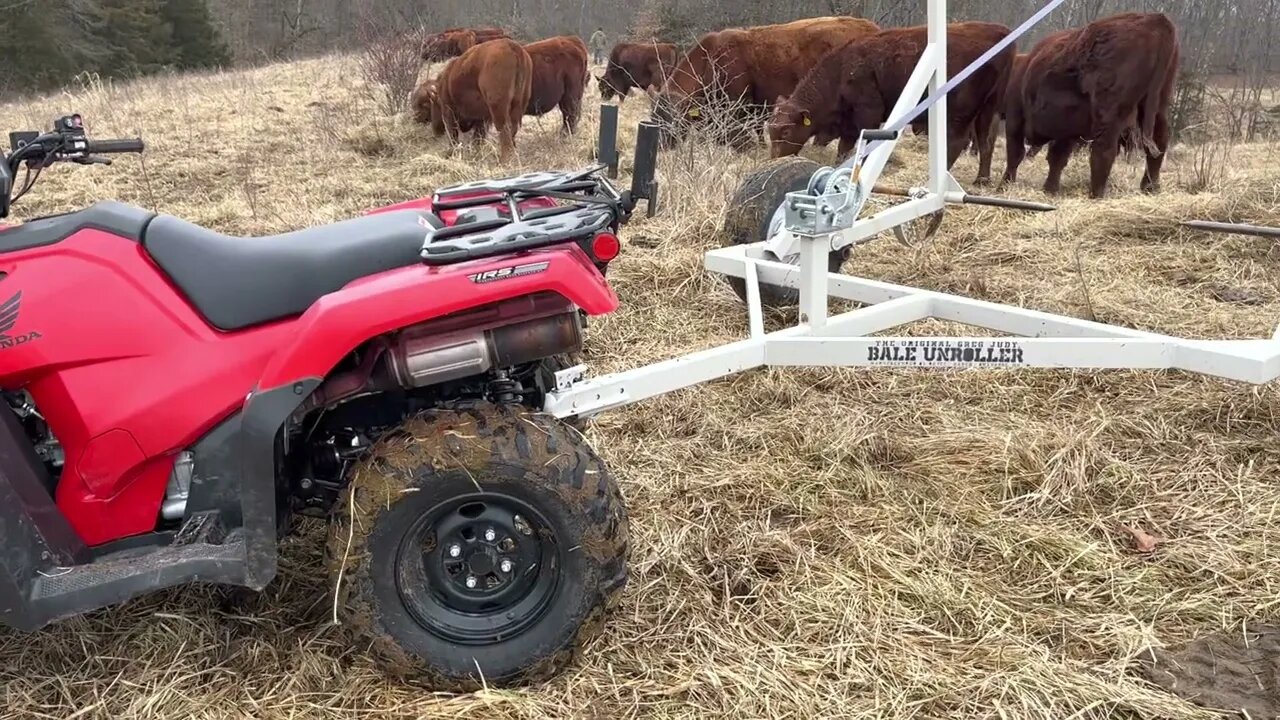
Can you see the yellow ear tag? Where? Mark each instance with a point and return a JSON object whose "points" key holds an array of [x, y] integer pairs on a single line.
{"points": [[807, 122], [695, 113]]}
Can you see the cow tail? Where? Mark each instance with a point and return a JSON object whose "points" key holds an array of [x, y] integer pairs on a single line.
{"points": [[1153, 101]]}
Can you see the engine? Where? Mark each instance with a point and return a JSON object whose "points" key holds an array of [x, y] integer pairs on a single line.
{"points": [[48, 449]]}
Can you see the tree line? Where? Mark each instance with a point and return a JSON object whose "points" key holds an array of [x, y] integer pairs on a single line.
{"points": [[46, 43], [1225, 36]]}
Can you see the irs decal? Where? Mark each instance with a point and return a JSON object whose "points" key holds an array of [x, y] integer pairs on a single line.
{"points": [[507, 273]]}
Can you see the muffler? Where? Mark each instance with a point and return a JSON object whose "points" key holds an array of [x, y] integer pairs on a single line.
{"points": [[503, 335]]}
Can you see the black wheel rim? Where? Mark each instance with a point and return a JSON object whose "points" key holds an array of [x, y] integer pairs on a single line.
{"points": [[478, 569]]}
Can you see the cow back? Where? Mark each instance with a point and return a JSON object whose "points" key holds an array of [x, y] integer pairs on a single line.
{"points": [[760, 63], [559, 71]]}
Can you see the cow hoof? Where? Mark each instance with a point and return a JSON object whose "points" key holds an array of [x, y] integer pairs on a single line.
{"points": [[982, 182]]}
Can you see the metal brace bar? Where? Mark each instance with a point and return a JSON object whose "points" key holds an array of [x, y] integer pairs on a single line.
{"points": [[755, 313]]}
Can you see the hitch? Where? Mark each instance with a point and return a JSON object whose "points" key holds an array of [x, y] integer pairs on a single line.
{"points": [[607, 144], [644, 168], [644, 171]]}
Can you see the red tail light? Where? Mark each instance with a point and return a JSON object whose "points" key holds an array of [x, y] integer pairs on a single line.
{"points": [[605, 247]]}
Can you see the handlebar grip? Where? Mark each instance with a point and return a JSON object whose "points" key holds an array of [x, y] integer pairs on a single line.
{"points": [[873, 135], [106, 147]]}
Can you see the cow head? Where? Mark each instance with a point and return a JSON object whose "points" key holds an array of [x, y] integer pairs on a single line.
{"points": [[675, 115], [424, 103], [420, 101], [448, 44], [789, 128], [610, 87], [433, 48]]}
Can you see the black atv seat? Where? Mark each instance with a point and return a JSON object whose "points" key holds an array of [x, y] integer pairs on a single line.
{"points": [[238, 282]]}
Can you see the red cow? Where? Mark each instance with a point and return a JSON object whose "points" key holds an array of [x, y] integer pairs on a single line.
{"points": [[853, 89], [1108, 84], [559, 78], [490, 83]]}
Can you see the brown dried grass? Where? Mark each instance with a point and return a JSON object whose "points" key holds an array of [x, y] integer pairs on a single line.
{"points": [[820, 543]]}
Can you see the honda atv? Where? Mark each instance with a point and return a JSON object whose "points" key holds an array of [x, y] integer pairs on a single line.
{"points": [[173, 397]]}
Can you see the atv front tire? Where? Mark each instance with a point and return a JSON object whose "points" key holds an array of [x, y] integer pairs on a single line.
{"points": [[747, 217], [478, 546]]}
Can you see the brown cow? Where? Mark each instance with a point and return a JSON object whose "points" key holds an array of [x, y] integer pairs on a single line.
{"points": [[559, 78], [490, 83], [749, 66], [1098, 84], [455, 41], [636, 65], [853, 89]]}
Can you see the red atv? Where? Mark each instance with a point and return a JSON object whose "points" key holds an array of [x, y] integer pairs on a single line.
{"points": [[174, 396]]}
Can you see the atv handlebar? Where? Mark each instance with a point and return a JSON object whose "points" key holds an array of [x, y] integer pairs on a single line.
{"points": [[107, 147], [66, 143]]}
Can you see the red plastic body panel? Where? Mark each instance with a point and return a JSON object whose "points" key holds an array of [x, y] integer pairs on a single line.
{"points": [[128, 374]]}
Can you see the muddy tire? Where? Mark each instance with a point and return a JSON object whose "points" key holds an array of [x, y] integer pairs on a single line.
{"points": [[478, 546], [746, 219]]}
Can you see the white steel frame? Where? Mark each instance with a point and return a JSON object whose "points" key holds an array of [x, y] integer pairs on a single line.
{"points": [[1037, 339]]}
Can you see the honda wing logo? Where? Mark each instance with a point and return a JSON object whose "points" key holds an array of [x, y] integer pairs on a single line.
{"points": [[8, 319]]}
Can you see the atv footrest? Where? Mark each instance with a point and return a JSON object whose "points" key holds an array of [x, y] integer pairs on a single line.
{"points": [[62, 592]]}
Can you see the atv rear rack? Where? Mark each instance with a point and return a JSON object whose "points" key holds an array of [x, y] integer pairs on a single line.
{"points": [[592, 205], [824, 219]]}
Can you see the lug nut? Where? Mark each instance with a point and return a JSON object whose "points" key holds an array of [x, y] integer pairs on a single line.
{"points": [[454, 551], [471, 581], [490, 535], [505, 566]]}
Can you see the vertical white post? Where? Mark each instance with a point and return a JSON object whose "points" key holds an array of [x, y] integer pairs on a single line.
{"points": [[938, 113], [813, 280]]}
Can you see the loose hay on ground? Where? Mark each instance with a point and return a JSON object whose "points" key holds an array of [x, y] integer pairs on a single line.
{"points": [[816, 543]]}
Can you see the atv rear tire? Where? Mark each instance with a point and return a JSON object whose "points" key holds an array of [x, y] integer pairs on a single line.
{"points": [[478, 546], [747, 217]]}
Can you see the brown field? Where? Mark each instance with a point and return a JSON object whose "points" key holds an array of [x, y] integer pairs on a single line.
{"points": [[807, 544]]}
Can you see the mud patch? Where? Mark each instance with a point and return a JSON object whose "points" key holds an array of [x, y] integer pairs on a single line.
{"points": [[1237, 672]]}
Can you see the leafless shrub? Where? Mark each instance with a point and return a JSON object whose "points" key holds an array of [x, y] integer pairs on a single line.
{"points": [[390, 63], [1207, 165]]}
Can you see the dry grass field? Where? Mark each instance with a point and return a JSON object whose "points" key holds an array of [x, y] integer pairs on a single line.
{"points": [[807, 544]]}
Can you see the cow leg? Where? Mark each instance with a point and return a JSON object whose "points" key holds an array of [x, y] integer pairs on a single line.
{"points": [[1151, 179], [1059, 154], [957, 143], [507, 120], [1102, 158], [452, 129], [1015, 148], [506, 138], [984, 131], [846, 146], [569, 110]]}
